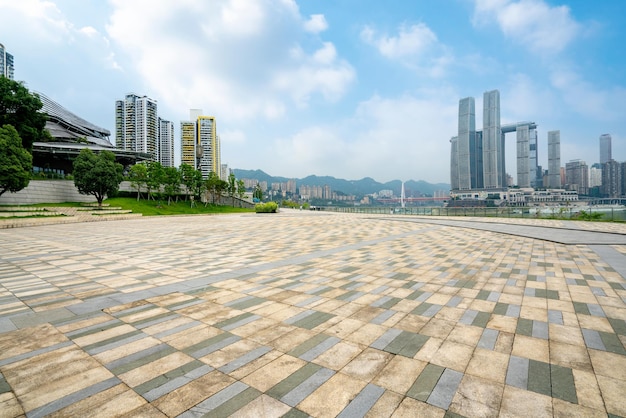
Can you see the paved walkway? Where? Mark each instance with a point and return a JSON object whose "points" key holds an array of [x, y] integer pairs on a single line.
{"points": [[308, 313]]}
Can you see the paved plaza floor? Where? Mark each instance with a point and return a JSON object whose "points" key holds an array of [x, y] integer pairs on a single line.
{"points": [[313, 314]]}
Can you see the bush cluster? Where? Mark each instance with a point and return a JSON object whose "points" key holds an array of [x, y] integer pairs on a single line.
{"points": [[269, 207]]}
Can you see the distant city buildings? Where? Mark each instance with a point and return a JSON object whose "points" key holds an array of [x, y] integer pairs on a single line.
{"points": [[6, 63], [200, 144], [477, 157]]}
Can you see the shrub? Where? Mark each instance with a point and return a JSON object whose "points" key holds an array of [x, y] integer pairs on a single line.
{"points": [[269, 207]]}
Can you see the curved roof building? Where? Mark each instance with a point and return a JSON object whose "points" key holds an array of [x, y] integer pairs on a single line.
{"points": [[71, 134], [65, 126]]}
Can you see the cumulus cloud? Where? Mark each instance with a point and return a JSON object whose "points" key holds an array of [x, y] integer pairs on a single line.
{"points": [[404, 137], [316, 24], [243, 59], [533, 23], [416, 46]]}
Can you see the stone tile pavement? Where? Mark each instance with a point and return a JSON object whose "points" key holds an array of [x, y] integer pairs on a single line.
{"points": [[313, 314]]}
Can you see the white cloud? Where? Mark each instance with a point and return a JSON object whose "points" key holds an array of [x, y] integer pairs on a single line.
{"points": [[416, 46], [405, 137], [316, 24], [533, 23], [592, 101], [414, 40], [240, 59]]}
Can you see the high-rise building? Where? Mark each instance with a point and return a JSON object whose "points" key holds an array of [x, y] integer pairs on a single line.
{"points": [[166, 143], [466, 145], [136, 125], [494, 172], [554, 159], [577, 176], [612, 179], [200, 144], [605, 148], [454, 163], [523, 156], [6, 63]]}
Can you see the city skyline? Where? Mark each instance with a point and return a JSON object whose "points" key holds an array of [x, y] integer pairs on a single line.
{"points": [[342, 89]]}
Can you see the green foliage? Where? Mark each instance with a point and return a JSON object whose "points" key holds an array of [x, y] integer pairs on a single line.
{"points": [[20, 108], [589, 216], [232, 187], [138, 177], [15, 161], [156, 177], [241, 189], [216, 186], [171, 182], [192, 179], [97, 174], [258, 193], [269, 207]]}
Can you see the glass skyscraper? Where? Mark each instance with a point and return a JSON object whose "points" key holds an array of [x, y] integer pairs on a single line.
{"points": [[466, 143], [554, 159], [494, 173], [605, 148]]}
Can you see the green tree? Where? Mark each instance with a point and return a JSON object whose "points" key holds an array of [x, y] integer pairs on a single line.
{"points": [[155, 178], [241, 189], [171, 182], [138, 177], [16, 163], [97, 174], [232, 188], [258, 193], [215, 186], [20, 108], [192, 179]]}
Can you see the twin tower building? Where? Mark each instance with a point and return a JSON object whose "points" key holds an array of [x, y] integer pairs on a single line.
{"points": [[477, 156]]}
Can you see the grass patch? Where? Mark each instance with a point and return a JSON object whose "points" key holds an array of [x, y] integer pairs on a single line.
{"points": [[160, 208]]}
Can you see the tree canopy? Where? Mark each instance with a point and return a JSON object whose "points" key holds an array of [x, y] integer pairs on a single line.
{"points": [[15, 162], [20, 108], [97, 174]]}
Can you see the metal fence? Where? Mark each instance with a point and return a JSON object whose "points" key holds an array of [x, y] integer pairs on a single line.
{"points": [[570, 213]]}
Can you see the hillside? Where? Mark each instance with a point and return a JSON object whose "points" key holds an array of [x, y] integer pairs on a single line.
{"points": [[361, 187]]}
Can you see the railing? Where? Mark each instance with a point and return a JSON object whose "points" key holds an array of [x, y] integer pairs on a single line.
{"points": [[568, 213]]}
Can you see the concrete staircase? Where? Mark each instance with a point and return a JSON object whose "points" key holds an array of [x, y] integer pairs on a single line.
{"points": [[20, 216]]}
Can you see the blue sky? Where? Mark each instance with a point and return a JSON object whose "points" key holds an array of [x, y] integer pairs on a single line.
{"points": [[346, 88]]}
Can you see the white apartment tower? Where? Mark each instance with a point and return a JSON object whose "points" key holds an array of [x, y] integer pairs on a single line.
{"points": [[137, 125], [6, 63], [166, 143]]}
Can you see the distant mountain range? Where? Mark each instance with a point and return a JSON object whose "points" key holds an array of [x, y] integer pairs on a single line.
{"points": [[361, 187]]}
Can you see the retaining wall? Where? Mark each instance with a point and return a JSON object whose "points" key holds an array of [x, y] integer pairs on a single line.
{"points": [[46, 191]]}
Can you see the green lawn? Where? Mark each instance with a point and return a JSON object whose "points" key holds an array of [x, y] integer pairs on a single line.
{"points": [[156, 208]]}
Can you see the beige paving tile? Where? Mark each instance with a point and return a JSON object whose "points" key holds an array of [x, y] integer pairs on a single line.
{"points": [[332, 396], [477, 397], [438, 328], [263, 406], [489, 365], [594, 323], [367, 334], [399, 374], [465, 334], [385, 406], [587, 389], [179, 400], [153, 369], [531, 348], [292, 339], [453, 355], [9, 405], [608, 364], [272, 373], [410, 408], [564, 409], [523, 404], [29, 339], [572, 356], [367, 364], [338, 356], [613, 394]]}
